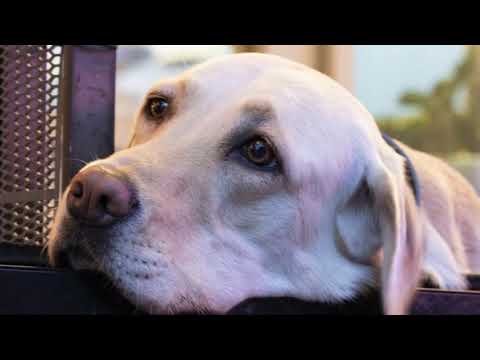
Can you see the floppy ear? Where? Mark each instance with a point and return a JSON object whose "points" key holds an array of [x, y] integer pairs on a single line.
{"points": [[382, 215]]}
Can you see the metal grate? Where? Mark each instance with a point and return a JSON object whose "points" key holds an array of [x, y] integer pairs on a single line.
{"points": [[29, 141]]}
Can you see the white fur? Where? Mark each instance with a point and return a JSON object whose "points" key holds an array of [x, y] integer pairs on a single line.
{"points": [[212, 233]]}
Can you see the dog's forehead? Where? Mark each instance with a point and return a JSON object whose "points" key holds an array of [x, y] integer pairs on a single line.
{"points": [[301, 98], [246, 66], [232, 75], [250, 75]]}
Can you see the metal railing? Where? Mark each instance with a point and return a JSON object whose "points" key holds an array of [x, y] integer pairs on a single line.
{"points": [[57, 106]]}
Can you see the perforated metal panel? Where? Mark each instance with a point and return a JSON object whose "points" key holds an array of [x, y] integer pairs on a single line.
{"points": [[30, 147]]}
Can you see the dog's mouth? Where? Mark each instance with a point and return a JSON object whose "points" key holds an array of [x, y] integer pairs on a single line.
{"points": [[111, 299], [109, 295]]}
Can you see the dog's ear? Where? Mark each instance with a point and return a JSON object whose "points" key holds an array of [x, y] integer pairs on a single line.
{"points": [[381, 215]]}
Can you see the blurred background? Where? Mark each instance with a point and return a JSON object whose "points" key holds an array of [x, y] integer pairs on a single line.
{"points": [[426, 96]]}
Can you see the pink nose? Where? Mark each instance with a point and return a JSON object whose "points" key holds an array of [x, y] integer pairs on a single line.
{"points": [[98, 197]]}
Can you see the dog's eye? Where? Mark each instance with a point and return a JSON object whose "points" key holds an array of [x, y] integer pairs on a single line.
{"points": [[157, 107], [259, 152]]}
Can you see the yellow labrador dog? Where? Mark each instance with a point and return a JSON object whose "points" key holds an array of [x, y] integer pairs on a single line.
{"points": [[254, 176]]}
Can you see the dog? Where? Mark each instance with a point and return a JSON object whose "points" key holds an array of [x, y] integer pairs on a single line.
{"points": [[254, 176]]}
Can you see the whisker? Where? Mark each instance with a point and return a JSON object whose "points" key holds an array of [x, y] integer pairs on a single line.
{"points": [[94, 156], [80, 161], [44, 248]]}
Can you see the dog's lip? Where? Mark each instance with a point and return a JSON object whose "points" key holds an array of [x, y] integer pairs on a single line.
{"points": [[98, 283], [107, 292], [66, 258]]}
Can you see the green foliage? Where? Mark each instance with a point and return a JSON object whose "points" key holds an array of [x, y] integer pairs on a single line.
{"points": [[441, 126]]}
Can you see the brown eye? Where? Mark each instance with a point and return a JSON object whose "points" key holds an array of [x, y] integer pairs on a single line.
{"points": [[157, 107], [259, 152]]}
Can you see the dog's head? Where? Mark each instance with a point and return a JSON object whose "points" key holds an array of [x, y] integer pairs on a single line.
{"points": [[248, 176]]}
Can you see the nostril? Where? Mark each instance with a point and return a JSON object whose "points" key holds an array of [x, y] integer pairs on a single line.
{"points": [[103, 201], [77, 189], [134, 203]]}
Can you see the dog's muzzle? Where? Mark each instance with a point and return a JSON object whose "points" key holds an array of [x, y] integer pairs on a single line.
{"points": [[97, 199]]}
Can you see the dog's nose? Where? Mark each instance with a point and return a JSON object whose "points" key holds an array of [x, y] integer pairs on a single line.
{"points": [[99, 197]]}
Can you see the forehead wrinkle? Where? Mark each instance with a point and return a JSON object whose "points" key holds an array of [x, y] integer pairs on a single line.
{"points": [[253, 115]]}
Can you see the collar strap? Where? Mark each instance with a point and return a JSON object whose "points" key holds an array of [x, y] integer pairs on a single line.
{"points": [[410, 172]]}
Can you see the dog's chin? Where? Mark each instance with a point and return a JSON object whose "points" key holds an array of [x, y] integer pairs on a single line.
{"points": [[136, 297], [93, 257], [139, 303]]}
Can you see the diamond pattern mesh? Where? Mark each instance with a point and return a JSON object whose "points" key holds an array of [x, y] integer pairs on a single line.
{"points": [[29, 141]]}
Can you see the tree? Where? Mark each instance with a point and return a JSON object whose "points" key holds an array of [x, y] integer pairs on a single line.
{"points": [[448, 119]]}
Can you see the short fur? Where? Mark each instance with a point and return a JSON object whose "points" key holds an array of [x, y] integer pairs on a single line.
{"points": [[338, 219]]}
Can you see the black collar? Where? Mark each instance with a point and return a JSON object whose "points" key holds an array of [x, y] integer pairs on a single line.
{"points": [[410, 172]]}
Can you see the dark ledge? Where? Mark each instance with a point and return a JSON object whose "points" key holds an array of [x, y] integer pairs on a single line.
{"points": [[41, 291], [37, 291]]}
